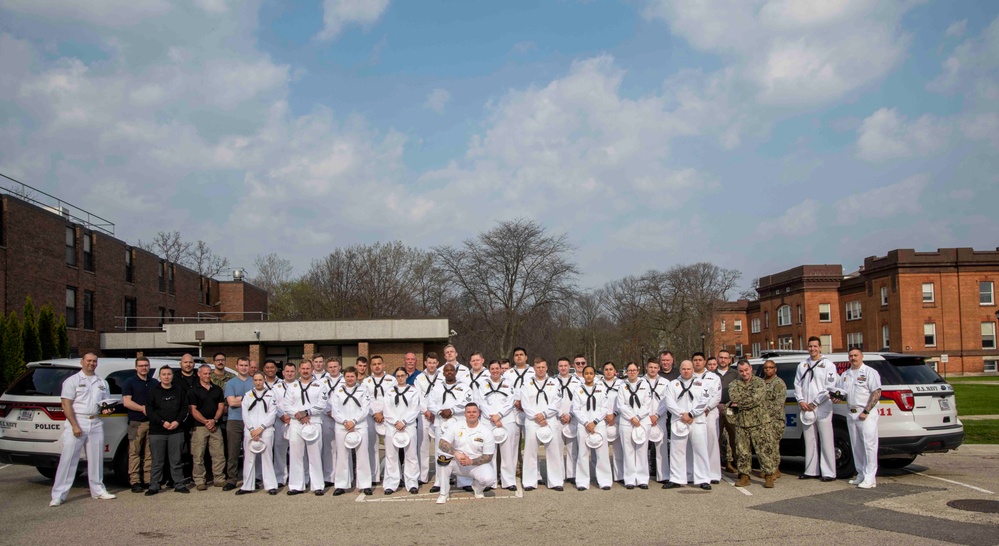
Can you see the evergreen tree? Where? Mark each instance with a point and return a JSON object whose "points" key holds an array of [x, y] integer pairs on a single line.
{"points": [[13, 350], [29, 333], [62, 338], [47, 333]]}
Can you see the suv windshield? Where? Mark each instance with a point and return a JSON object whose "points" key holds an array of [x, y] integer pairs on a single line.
{"points": [[41, 381], [914, 371]]}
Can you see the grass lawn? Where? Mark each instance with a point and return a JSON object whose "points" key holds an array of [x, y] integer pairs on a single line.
{"points": [[977, 399], [981, 432], [972, 379]]}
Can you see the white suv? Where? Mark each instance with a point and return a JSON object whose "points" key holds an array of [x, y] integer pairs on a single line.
{"points": [[917, 410], [32, 420]]}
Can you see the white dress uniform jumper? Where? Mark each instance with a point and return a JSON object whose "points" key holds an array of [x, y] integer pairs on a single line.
{"points": [[497, 399], [424, 383], [378, 388], [329, 383], [401, 405], [617, 463], [280, 445], [660, 450], [451, 396], [634, 400], [307, 397], [351, 404], [589, 405], [87, 394], [686, 397], [259, 410], [710, 380], [541, 397], [568, 386], [812, 382]]}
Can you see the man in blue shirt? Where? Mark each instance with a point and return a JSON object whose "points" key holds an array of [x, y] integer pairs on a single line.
{"points": [[235, 388], [134, 394], [411, 371]]}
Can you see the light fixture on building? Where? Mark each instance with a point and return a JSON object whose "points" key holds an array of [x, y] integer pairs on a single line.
{"points": [[237, 274]]}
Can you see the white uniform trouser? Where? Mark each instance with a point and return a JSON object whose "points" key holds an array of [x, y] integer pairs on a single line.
{"points": [[508, 451], [662, 452], [412, 467], [93, 439], [425, 445], [298, 447], [864, 439], [374, 461], [603, 467], [341, 479], [636, 456], [618, 462], [481, 475], [553, 458], [697, 442], [280, 452], [266, 468], [714, 446], [329, 448], [824, 428], [570, 446]]}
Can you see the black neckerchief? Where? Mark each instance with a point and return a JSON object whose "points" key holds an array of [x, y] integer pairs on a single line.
{"points": [[450, 391], [591, 398], [256, 399], [432, 383], [633, 395], [541, 390], [473, 380], [401, 395], [608, 387], [810, 370], [655, 395], [331, 385], [305, 391], [350, 395], [564, 388], [686, 390], [495, 390], [378, 385], [520, 377]]}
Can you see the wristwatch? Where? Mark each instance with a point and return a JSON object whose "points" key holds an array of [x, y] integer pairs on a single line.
{"points": [[865, 412]]}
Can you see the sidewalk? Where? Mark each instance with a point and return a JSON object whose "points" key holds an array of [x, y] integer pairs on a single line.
{"points": [[977, 417]]}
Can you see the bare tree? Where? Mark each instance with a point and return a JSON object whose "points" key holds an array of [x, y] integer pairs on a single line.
{"points": [[510, 274], [206, 262], [272, 272], [169, 246]]}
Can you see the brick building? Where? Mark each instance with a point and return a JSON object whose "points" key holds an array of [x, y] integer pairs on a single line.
{"points": [[939, 304], [70, 259]]}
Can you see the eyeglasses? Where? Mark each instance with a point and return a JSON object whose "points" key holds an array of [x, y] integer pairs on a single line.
{"points": [[582, 362]]}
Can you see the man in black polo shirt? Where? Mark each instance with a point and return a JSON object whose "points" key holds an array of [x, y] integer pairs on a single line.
{"points": [[207, 404], [166, 409], [133, 395]]}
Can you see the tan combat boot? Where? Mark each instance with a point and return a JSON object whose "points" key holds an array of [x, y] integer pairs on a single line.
{"points": [[776, 474], [770, 481], [743, 480], [729, 467]]}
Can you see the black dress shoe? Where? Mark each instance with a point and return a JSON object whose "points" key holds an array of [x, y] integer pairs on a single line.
{"points": [[606, 488], [580, 488], [643, 486], [318, 492], [272, 491], [435, 489], [828, 479], [557, 488], [389, 491], [671, 485], [367, 491], [714, 482], [806, 477], [327, 484], [243, 492], [706, 486], [413, 490], [512, 488], [181, 489], [292, 492], [629, 486], [228, 487], [151, 492], [467, 488], [136, 488], [338, 492], [529, 488], [488, 489]]}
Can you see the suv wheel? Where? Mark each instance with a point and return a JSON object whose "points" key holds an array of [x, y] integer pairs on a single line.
{"points": [[844, 453], [897, 463], [47, 471]]}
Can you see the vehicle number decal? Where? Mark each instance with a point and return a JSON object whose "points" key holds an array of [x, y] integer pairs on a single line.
{"points": [[884, 411]]}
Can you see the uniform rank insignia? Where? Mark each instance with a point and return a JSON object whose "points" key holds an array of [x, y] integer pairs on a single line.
{"points": [[477, 439], [443, 460]]}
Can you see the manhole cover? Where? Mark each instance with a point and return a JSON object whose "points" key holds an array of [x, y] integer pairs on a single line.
{"points": [[976, 505]]}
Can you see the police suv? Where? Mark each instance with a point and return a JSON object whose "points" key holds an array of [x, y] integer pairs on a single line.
{"points": [[32, 420], [917, 412]]}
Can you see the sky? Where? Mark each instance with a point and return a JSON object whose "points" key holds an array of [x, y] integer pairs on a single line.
{"points": [[755, 134]]}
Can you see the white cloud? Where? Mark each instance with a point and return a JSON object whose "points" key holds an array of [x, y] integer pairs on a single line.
{"points": [[972, 69], [957, 28], [800, 220], [338, 14], [886, 201], [106, 13], [885, 135], [437, 99], [525, 46]]}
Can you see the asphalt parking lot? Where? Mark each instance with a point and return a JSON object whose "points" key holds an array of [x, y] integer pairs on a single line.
{"points": [[908, 507]]}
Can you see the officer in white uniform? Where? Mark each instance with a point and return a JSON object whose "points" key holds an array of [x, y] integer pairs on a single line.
{"points": [[589, 408], [350, 407], [661, 450], [447, 402], [477, 374], [425, 383], [259, 408], [541, 402], [612, 385], [568, 385], [304, 403], [378, 384], [282, 424], [329, 381], [862, 385], [705, 379], [517, 376], [82, 396], [495, 398], [467, 449], [686, 403], [401, 409], [634, 402], [812, 381]]}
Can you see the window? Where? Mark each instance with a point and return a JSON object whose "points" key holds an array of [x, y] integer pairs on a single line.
{"points": [[801, 342], [784, 315], [737, 325], [754, 326], [985, 294], [70, 307], [756, 349], [88, 252], [826, 341], [989, 365], [70, 246], [801, 314], [162, 315], [855, 341], [988, 335], [129, 255], [930, 334], [785, 343], [171, 312], [884, 296], [825, 312], [766, 319], [853, 310], [162, 276], [885, 338], [88, 310], [723, 326], [738, 350], [927, 292], [171, 273], [131, 312]]}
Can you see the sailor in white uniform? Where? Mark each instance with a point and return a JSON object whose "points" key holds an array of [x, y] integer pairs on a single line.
{"points": [[495, 398], [425, 383], [568, 384], [686, 402], [447, 402], [401, 410], [377, 384], [541, 402], [259, 407], [350, 407], [304, 403], [517, 376], [812, 381], [612, 385], [862, 386], [634, 402], [661, 450], [467, 449], [282, 423], [589, 408], [704, 378], [330, 381]]}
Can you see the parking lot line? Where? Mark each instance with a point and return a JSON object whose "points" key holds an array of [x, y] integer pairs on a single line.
{"points": [[425, 497], [4, 466], [979, 489], [742, 490]]}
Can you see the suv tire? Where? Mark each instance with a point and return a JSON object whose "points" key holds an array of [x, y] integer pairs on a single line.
{"points": [[844, 452]]}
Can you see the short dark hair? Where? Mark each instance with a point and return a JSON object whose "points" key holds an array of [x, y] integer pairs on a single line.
{"points": [[814, 338], [292, 364], [242, 359], [471, 404], [698, 353], [379, 357], [579, 355], [430, 355], [141, 359], [350, 369], [217, 355], [270, 361], [361, 359], [515, 349], [561, 358], [665, 353]]}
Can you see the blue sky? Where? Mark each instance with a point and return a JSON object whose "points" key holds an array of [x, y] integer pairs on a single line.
{"points": [[756, 134]]}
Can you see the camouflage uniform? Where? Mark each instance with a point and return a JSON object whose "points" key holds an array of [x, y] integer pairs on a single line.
{"points": [[220, 381], [776, 395], [751, 420]]}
